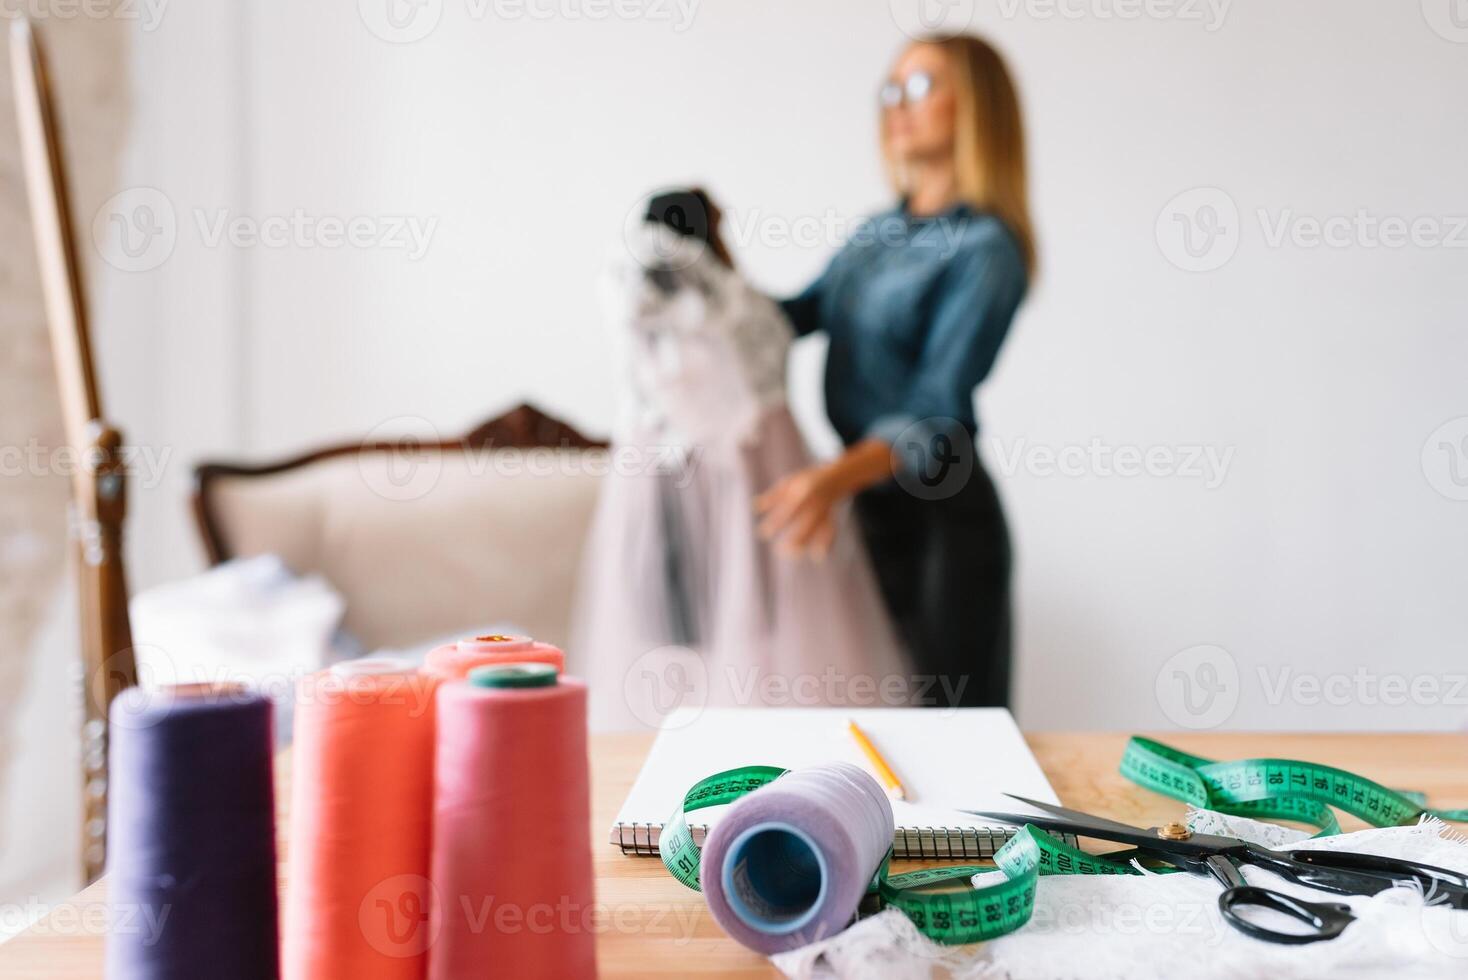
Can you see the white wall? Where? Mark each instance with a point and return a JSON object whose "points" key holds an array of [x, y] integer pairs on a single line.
{"points": [[1319, 372]]}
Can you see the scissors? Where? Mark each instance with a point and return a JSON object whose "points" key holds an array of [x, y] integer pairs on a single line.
{"points": [[1343, 872]]}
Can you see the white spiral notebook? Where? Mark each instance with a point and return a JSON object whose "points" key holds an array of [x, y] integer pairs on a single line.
{"points": [[947, 759]]}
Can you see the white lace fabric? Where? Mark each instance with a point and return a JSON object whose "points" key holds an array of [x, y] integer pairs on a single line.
{"points": [[1167, 926], [707, 350]]}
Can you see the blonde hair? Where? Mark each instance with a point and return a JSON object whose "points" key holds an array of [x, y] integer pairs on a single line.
{"points": [[989, 142]]}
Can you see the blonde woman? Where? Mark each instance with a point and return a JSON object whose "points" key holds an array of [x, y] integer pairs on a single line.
{"points": [[916, 307]]}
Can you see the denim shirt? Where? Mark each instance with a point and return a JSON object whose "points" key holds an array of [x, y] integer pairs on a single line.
{"points": [[916, 309]]}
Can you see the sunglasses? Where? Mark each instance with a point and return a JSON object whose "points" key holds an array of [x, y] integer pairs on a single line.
{"points": [[910, 91]]}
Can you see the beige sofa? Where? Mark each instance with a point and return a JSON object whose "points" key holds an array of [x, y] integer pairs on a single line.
{"points": [[422, 538]]}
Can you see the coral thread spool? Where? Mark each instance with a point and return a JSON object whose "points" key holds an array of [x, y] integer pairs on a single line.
{"points": [[191, 818], [357, 890], [454, 660], [511, 853]]}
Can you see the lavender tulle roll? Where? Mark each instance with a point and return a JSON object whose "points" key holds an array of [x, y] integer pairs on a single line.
{"points": [[790, 862], [191, 849]]}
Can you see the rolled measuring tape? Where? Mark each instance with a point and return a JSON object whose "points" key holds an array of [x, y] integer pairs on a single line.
{"points": [[791, 860], [1273, 789]]}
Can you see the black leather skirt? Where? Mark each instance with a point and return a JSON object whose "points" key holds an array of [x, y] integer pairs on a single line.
{"points": [[944, 568]]}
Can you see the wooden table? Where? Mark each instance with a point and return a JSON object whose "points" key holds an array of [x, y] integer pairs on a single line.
{"points": [[654, 927]]}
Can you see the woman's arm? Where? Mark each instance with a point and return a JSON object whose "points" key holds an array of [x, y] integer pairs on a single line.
{"points": [[798, 508], [804, 310], [982, 289]]}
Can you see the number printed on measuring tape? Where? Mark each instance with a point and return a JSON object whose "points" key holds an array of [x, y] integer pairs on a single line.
{"points": [[675, 843], [1273, 789]]}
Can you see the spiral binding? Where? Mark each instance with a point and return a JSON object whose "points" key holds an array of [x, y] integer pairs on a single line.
{"points": [[908, 843]]}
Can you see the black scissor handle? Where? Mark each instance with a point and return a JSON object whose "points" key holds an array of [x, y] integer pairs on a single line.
{"points": [[1448, 886], [1326, 920]]}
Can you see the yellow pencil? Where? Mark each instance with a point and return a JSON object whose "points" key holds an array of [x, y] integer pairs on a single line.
{"points": [[884, 771]]}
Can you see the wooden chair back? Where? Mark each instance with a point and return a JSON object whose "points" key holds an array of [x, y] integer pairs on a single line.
{"points": [[98, 492]]}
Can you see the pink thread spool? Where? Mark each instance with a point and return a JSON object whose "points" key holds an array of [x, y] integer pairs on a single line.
{"points": [[454, 660], [511, 853]]}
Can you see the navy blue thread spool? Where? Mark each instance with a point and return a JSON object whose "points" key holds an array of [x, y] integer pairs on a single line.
{"points": [[191, 823]]}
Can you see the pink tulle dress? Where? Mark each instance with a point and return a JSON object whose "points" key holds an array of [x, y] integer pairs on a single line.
{"points": [[681, 603]]}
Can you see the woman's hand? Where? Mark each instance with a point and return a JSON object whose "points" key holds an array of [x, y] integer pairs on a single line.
{"points": [[798, 509]]}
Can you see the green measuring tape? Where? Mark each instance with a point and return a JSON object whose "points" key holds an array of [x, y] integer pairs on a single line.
{"points": [[952, 917], [1262, 789], [675, 843], [1273, 789]]}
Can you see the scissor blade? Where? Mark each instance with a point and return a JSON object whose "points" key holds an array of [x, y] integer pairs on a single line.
{"points": [[1066, 821], [1059, 825], [1020, 819], [1086, 819], [1088, 825]]}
